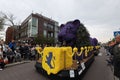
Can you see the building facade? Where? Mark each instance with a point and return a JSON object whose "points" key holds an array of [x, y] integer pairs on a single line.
{"points": [[9, 34], [36, 25]]}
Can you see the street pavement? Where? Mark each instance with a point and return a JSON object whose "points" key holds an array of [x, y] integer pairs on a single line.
{"points": [[99, 70], [21, 71], [25, 70]]}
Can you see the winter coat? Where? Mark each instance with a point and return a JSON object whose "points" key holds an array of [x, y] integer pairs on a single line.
{"points": [[116, 59]]}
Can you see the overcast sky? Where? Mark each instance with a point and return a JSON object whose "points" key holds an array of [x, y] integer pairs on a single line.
{"points": [[101, 17]]}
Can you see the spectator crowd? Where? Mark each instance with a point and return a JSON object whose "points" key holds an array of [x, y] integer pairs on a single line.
{"points": [[113, 49], [18, 51]]}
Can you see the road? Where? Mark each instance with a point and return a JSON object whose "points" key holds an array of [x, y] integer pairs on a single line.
{"points": [[24, 71], [97, 71]]}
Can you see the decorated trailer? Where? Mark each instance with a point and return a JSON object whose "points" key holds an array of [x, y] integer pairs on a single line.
{"points": [[75, 54]]}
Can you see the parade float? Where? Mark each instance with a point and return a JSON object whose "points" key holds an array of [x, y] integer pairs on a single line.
{"points": [[73, 56]]}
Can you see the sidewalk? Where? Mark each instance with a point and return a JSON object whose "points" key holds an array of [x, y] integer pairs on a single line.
{"points": [[17, 63]]}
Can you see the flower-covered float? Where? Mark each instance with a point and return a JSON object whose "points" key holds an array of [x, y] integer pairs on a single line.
{"points": [[73, 56]]}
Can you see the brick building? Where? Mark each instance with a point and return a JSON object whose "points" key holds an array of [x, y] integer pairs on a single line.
{"points": [[34, 26], [9, 34]]}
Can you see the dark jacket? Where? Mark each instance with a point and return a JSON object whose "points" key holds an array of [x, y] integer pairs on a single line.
{"points": [[116, 59]]}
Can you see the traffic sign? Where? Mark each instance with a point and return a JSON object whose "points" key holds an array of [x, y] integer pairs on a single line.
{"points": [[116, 33]]}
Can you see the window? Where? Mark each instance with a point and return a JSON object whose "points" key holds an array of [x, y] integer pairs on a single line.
{"points": [[48, 35], [34, 28], [34, 22], [45, 33], [49, 26], [29, 27], [51, 34]]}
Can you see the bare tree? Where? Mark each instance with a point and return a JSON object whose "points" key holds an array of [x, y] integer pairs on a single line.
{"points": [[1, 23], [8, 21]]}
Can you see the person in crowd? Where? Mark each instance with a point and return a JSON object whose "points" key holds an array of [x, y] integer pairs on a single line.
{"points": [[44, 45], [109, 52], [17, 54], [110, 45], [1, 57], [26, 51], [32, 53], [10, 55], [1, 49], [12, 45], [116, 57], [38, 49], [4, 48], [22, 50]]}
